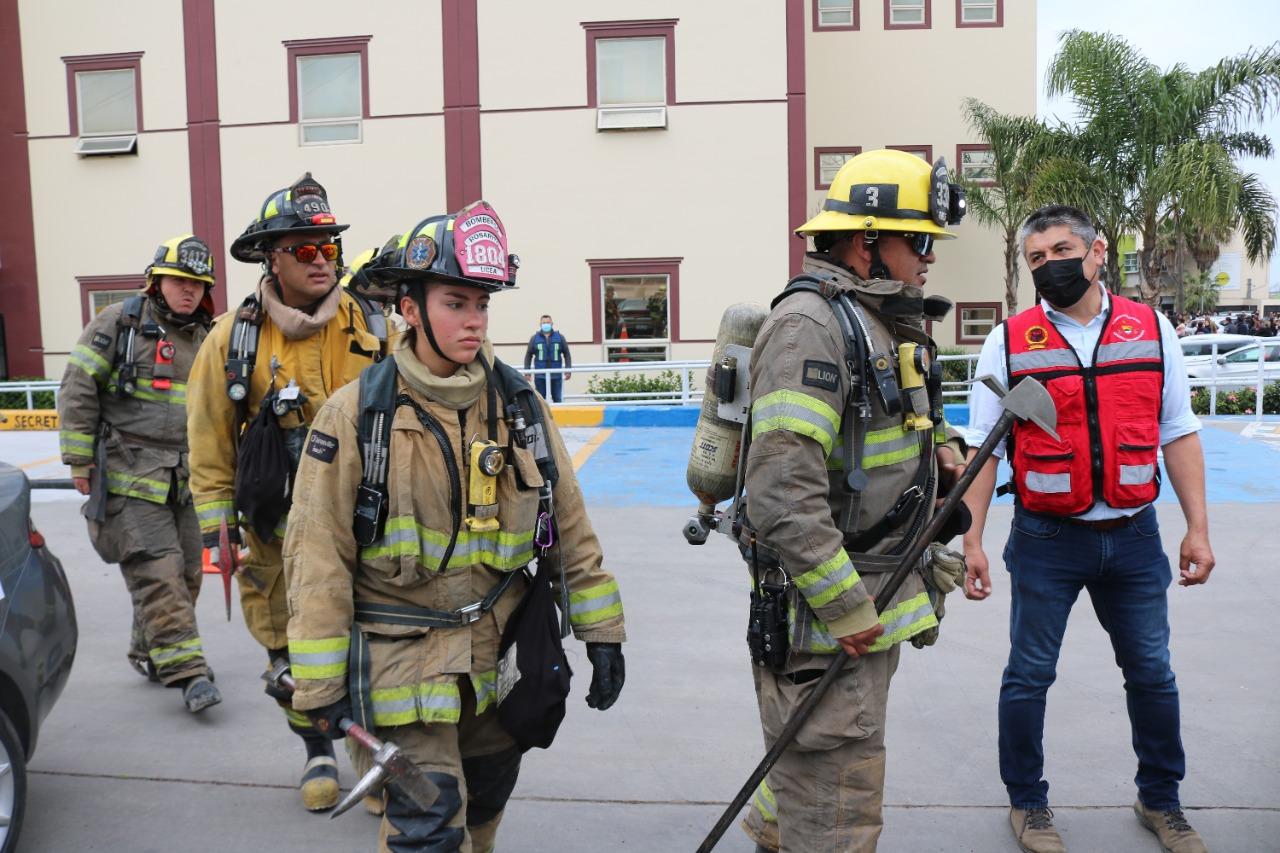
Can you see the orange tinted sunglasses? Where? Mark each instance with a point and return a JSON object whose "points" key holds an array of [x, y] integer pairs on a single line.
{"points": [[306, 252]]}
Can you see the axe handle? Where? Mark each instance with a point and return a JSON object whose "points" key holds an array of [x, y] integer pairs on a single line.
{"points": [[360, 734], [904, 568]]}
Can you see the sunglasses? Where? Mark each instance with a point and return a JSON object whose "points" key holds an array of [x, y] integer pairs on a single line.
{"points": [[306, 252], [921, 244]]}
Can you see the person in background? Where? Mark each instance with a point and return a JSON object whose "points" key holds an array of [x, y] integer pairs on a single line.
{"points": [[549, 349]]}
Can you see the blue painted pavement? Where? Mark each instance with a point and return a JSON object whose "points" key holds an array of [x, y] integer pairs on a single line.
{"points": [[645, 466]]}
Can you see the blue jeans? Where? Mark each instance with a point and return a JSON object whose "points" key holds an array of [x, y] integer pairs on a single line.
{"points": [[1127, 575], [557, 386]]}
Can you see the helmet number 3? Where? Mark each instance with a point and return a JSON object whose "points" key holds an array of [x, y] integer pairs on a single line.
{"points": [[873, 196]]}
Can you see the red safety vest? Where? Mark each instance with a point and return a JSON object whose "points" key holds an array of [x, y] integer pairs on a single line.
{"points": [[1108, 414]]}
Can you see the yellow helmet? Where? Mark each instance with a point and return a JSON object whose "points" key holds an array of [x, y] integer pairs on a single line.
{"points": [[186, 256], [889, 190]]}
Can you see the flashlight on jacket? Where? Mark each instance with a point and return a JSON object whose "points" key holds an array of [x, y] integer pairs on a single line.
{"points": [[162, 373], [487, 463]]}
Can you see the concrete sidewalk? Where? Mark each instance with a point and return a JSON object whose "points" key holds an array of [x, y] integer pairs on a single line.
{"points": [[122, 767]]}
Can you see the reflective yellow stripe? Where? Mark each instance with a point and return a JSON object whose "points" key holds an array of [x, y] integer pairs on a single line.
{"points": [[316, 659], [595, 604], [904, 620], [169, 656], [430, 702], [175, 395], [75, 443], [404, 537], [765, 802], [297, 719], [155, 491], [485, 684], [798, 413], [889, 446], [827, 580], [90, 362], [211, 513]]}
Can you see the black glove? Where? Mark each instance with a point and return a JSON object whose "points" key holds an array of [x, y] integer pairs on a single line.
{"points": [[326, 718], [608, 671], [212, 539]]}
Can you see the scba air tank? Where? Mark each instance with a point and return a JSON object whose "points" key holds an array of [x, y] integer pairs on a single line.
{"points": [[713, 459]]}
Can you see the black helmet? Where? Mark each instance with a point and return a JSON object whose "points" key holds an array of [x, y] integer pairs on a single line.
{"points": [[301, 207], [469, 247]]}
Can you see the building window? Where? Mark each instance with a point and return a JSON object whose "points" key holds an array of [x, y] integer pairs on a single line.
{"points": [[635, 316], [99, 291], [976, 163], [924, 152], [907, 15], [104, 96], [979, 13], [328, 88], [1130, 263], [631, 72], [975, 320], [827, 162], [835, 15]]}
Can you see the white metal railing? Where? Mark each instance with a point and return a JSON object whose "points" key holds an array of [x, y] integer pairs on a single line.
{"points": [[1213, 382], [30, 387]]}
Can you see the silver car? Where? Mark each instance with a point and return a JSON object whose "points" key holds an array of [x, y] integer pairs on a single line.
{"points": [[1239, 368], [37, 643]]}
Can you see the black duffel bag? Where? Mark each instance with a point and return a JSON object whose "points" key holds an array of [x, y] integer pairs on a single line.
{"points": [[264, 474], [533, 672]]}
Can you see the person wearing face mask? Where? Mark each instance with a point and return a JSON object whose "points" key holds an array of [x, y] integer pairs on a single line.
{"points": [[1083, 517], [405, 573], [257, 383], [122, 406], [548, 349], [848, 451]]}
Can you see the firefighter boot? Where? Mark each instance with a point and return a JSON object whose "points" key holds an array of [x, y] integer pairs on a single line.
{"points": [[1171, 828], [319, 784], [199, 693]]}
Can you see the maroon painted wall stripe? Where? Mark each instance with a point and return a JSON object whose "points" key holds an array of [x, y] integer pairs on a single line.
{"points": [[19, 291], [797, 188], [204, 151], [461, 56]]}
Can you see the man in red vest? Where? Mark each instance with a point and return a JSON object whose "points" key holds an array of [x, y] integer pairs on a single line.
{"points": [[1083, 516]]}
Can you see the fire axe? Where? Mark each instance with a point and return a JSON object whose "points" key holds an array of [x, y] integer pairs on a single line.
{"points": [[1028, 401], [390, 765]]}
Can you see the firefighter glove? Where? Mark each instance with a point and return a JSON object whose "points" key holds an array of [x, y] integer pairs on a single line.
{"points": [[608, 671], [327, 717]]}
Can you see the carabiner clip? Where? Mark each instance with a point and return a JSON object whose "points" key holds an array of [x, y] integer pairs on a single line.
{"points": [[544, 535]]}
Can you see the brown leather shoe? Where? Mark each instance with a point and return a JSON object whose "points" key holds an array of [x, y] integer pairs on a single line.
{"points": [[1033, 829], [1171, 827]]}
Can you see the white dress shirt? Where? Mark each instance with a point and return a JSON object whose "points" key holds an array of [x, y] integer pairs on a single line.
{"points": [[1176, 417]]}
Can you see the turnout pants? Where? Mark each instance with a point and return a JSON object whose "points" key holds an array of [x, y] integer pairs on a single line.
{"points": [[829, 783], [474, 763], [158, 548]]}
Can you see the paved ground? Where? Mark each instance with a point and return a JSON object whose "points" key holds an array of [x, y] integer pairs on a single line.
{"points": [[122, 767]]}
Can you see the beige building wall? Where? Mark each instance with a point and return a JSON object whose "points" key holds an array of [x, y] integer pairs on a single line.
{"points": [[875, 88], [100, 216]]}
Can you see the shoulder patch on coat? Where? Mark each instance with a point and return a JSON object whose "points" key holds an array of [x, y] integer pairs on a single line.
{"points": [[821, 374], [100, 341], [321, 446]]}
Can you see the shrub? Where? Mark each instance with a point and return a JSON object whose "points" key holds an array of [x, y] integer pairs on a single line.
{"points": [[954, 371], [1237, 401], [18, 399], [633, 383]]}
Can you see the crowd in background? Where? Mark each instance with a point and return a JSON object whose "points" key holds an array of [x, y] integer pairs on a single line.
{"points": [[1243, 323]]}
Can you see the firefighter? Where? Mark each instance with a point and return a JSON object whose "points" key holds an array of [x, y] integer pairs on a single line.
{"points": [[266, 369], [849, 450], [123, 411], [407, 541]]}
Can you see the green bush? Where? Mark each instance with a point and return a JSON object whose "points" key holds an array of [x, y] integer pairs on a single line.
{"points": [[1237, 401], [633, 383], [18, 399], [954, 371]]}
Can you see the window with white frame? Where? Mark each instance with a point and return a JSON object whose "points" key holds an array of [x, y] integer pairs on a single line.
{"points": [[631, 71], [907, 13], [330, 101], [1130, 263], [107, 102], [836, 13], [827, 163], [977, 163], [979, 11], [635, 317], [975, 321], [100, 299]]}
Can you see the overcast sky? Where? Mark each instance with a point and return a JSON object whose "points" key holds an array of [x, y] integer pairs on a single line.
{"points": [[1194, 33]]}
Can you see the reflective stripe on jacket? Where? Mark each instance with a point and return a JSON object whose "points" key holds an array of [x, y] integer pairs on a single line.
{"points": [[1108, 414]]}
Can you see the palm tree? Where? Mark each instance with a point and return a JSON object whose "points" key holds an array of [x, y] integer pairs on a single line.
{"points": [[1152, 142], [1005, 204], [1201, 296]]}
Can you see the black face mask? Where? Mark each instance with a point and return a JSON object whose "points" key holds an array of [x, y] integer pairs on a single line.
{"points": [[1061, 283]]}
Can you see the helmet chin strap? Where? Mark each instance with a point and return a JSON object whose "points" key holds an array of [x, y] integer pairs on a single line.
{"points": [[426, 326], [878, 268]]}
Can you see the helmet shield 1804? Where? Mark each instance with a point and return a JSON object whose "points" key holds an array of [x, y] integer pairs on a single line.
{"points": [[468, 247]]}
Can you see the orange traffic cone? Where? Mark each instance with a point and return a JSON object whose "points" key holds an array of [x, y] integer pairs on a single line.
{"points": [[622, 336], [207, 567]]}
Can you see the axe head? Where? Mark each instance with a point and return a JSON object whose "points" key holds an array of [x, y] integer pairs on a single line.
{"points": [[391, 765], [1028, 401], [226, 563]]}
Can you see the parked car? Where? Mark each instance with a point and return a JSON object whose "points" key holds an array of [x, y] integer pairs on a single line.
{"points": [[1198, 349], [37, 643], [1239, 368]]}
